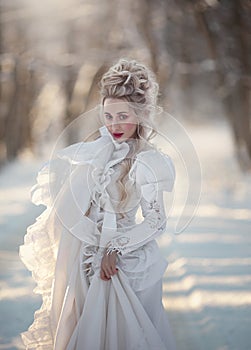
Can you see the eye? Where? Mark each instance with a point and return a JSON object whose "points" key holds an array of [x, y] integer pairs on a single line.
{"points": [[108, 116], [123, 116]]}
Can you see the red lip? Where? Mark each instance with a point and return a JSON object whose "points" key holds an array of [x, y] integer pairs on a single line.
{"points": [[117, 135]]}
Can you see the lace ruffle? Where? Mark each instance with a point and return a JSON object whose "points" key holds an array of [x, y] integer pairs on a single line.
{"points": [[90, 260], [87, 254], [39, 255], [117, 244]]}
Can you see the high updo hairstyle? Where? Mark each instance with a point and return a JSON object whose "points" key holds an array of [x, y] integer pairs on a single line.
{"points": [[136, 84]]}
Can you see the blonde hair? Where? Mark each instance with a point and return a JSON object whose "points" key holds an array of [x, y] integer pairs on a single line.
{"points": [[136, 84]]}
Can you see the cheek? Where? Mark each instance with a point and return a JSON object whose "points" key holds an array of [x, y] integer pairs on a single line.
{"points": [[129, 126]]}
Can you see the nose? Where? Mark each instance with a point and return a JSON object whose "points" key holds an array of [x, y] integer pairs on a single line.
{"points": [[115, 125]]}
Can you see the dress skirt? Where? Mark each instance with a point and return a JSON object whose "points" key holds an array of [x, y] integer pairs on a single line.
{"points": [[111, 315]]}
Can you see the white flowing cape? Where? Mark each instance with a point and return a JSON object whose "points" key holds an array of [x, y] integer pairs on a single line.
{"points": [[51, 250]]}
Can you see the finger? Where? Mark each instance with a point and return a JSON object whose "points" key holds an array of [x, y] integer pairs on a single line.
{"points": [[109, 269], [106, 263], [114, 269], [103, 276], [113, 265], [104, 266], [107, 274]]}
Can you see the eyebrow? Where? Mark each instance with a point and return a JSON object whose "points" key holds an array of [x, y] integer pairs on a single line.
{"points": [[117, 112]]}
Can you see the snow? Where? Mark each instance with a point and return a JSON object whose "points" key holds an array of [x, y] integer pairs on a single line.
{"points": [[17, 301], [207, 285]]}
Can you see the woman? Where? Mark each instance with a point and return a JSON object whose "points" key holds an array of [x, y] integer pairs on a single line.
{"points": [[100, 273]]}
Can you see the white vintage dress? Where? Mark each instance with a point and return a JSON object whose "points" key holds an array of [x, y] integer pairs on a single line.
{"points": [[65, 245]]}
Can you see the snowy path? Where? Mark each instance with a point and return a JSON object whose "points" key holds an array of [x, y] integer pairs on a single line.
{"points": [[17, 301], [207, 286], [208, 283]]}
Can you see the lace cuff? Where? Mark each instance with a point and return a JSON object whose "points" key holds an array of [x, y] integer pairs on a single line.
{"points": [[117, 245], [153, 225]]}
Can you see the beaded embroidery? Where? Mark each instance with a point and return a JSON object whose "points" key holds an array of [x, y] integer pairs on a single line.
{"points": [[154, 220]]}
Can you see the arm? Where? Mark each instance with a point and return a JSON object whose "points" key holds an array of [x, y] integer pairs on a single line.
{"points": [[151, 227], [155, 173]]}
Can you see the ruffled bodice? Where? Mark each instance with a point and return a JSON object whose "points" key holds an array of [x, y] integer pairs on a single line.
{"points": [[151, 173], [113, 190]]}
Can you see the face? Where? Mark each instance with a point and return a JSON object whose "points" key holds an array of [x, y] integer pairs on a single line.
{"points": [[120, 119]]}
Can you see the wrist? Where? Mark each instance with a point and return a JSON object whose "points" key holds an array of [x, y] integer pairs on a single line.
{"points": [[112, 251]]}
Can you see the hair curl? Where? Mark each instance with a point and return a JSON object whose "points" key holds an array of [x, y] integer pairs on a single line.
{"points": [[130, 80]]}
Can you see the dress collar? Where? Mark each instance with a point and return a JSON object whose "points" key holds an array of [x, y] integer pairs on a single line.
{"points": [[105, 132], [103, 152], [120, 149]]}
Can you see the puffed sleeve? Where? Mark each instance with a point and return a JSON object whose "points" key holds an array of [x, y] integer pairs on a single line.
{"points": [[154, 173]]}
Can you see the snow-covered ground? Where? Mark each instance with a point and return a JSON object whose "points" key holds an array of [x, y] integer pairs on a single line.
{"points": [[207, 285], [17, 301], [207, 289]]}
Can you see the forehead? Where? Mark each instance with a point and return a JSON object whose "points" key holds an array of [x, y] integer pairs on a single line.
{"points": [[116, 105]]}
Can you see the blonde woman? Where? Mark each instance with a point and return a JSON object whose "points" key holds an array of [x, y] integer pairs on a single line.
{"points": [[98, 271]]}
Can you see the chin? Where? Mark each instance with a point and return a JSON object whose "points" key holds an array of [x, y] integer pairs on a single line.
{"points": [[122, 139]]}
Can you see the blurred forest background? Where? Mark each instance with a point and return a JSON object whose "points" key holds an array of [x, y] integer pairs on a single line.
{"points": [[53, 53], [52, 56]]}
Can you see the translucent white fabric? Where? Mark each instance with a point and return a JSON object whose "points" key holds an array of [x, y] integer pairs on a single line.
{"points": [[65, 245]]}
